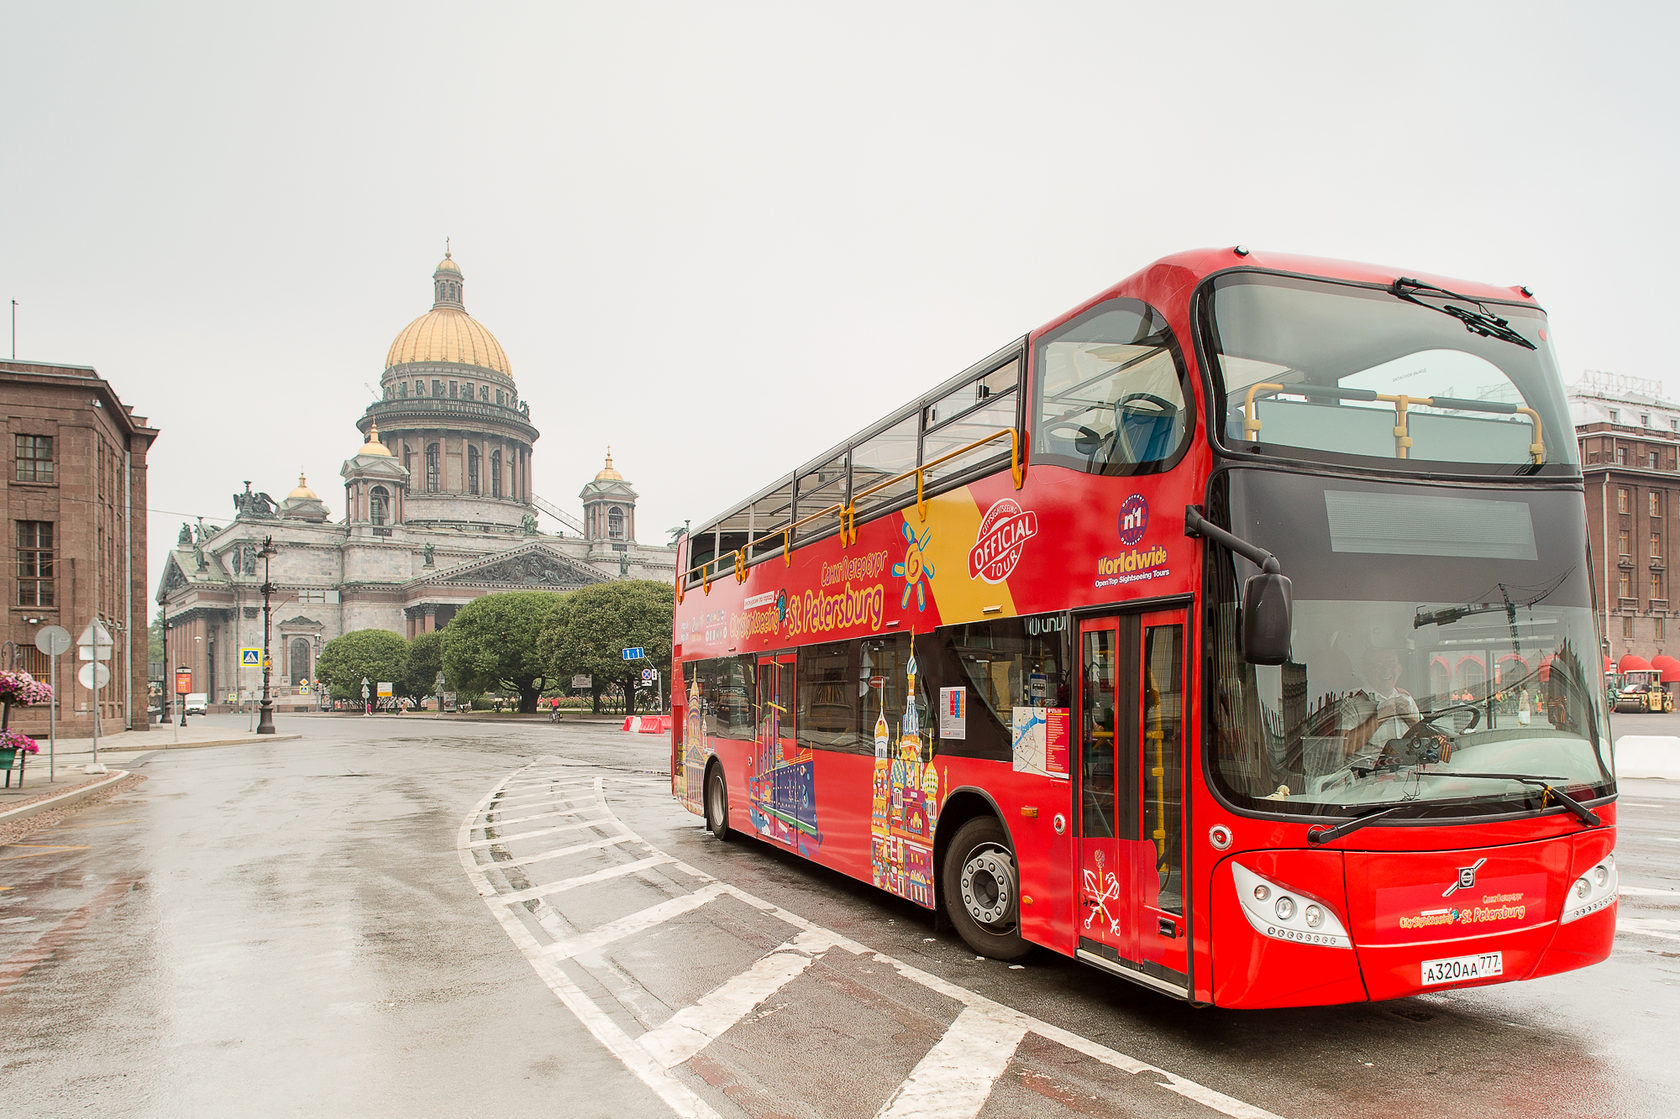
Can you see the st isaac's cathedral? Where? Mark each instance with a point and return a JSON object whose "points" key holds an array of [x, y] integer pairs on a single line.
{"points": [[438, 511]]}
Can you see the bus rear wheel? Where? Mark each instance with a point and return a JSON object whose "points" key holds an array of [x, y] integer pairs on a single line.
{"points": [[983, 890], [717, 803]]}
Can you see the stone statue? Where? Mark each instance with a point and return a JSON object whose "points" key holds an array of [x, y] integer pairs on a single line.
{"points": [[250, 559], [427, 553], [186, 538], [250, 504], [528, 524], [198, 557], [623, 564]]}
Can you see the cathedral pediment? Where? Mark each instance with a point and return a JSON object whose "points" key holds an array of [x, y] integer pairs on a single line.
{"points": [[535, 564], [301, 622]]}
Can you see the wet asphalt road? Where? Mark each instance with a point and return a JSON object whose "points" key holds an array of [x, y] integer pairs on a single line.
{"points": [[303, 927]]}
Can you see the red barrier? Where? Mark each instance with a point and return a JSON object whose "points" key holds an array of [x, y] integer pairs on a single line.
{"points": [[647, 724]]}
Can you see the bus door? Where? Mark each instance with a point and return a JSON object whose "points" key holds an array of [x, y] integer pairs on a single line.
{"points": [[774, 767], [1131, 772]]}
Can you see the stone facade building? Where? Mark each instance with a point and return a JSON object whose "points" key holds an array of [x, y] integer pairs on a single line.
{"points": [[1629, 438], [74, 542], [438, 510]]}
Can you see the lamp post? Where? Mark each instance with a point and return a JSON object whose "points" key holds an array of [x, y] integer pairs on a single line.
{"points": [[168, 684], [265, 724], [439, 683]]}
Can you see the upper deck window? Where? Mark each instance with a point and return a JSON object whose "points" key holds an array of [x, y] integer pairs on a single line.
{"points": [[1317, 369], [1110, 392]]}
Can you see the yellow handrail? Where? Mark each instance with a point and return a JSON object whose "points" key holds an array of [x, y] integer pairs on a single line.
{"points": [[1402, 403], [848, 513]]}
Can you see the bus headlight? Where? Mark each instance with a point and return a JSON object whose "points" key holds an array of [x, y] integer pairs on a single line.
{"points": [[1594, 890], [1293, 916]]}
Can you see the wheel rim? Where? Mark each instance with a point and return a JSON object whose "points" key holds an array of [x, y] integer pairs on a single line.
{"points": [[714, 800], [988, 891]]}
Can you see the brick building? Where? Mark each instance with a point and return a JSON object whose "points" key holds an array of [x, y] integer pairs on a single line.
{"points": [[1629, 437], [74, 543]]}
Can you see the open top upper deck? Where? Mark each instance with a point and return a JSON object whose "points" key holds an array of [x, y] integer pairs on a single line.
{"points": [[1258, 357]]}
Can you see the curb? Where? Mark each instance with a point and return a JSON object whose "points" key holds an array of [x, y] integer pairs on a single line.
{"points": [[64, 798], [245, 740]]}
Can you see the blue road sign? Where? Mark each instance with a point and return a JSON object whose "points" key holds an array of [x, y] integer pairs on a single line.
{"points": [[635, 654]]}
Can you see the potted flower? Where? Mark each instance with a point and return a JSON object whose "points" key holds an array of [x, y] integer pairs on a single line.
{"points": [[15, 748], [17, 686]]}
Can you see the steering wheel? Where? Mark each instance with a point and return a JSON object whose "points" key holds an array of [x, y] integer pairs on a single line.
{"points": [[1166, 406], [1084, 440]]}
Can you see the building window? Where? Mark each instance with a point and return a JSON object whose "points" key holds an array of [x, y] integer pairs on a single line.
{"points": [[34, 458], [1624, 500], [1656, 546], [402, 388], [437, 387], [1656, 460], [1621, 456], [35, 563], [1622, 543], [379, 505], [1615, 416], [615, 524], [433, 468], [298, 666], [1645, 419], [1624, 585], [454, 390], [495, 474], [499, 397], [1627, 627], [1654, 500], [1656, 585], [1659, 627], [472, 469]]}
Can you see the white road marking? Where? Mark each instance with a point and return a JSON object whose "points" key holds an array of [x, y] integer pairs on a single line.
{"points": [[1648, 892], [1668, 839], [693, 1028], [549, 889], [503, 821], [1647, 803], [576, 848], [986, 1024], [956, 1077], [558, 829], [1663, 928], [603, 935]]}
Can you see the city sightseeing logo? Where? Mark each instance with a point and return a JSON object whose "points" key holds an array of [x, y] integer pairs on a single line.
{"points": [[1134, 520], [1004, 532]]}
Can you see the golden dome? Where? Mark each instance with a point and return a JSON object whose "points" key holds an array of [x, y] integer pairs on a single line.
{"points": [[303, 492], [373, 446], [447, 334], [608, 474]]}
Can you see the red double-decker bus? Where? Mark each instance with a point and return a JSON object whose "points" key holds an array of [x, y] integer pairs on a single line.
{"points": [[1232, 633]]}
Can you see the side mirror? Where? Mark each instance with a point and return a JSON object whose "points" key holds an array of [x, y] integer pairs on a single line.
{"points": [[1268, 607]]}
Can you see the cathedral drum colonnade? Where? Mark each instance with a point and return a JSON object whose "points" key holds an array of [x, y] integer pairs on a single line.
{"points": [[439, 509]]}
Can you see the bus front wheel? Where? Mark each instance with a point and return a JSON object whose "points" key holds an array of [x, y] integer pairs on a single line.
{"points": [[717, 803], [983, 890]]}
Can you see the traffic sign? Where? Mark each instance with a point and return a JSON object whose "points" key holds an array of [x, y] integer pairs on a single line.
{"points": [[384, 689], [53, 640], [93, 675], [250, 656], [648, 675], [95, 642], [183, 680], [635, 654], [581, 681]]}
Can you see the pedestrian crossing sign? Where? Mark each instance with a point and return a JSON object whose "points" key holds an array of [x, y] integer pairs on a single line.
{"points": [[250, 657]]}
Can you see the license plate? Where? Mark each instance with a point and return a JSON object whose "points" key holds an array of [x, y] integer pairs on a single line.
{"points": [[1459, 968]]}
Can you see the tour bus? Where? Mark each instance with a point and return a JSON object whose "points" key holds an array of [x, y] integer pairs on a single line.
{"points": [[1233, 633]]}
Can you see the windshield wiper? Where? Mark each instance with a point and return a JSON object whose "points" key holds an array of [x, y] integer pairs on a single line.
{"points": [[1587, 815], [1325, 835], [1479, 321]]}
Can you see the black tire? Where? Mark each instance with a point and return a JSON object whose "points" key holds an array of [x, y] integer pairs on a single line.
{"points": [[982, 890], [717, 803]]}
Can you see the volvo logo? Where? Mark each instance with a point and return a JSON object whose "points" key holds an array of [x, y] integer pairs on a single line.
{"points": [[1466, 878]]}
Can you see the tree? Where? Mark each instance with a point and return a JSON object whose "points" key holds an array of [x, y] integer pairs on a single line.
{"points": [[492, 644], [600, 622], [425, 661], [373, 654], [154, 641]]}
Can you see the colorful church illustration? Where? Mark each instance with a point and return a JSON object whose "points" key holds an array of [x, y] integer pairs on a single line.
{"points": [[904, 806]]}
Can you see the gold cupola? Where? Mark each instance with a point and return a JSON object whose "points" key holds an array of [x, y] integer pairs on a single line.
{"points": [[447, 333], [373, 446]]}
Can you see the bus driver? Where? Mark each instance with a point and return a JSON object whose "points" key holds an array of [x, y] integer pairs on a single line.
{"points": [[1381, 711]]}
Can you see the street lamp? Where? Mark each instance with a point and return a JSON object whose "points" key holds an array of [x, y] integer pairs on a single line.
{"points": [[439, 683], [265, 724]]}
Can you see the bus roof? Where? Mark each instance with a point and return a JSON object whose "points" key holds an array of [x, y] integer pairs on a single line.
{"points": [[1154, 283]]}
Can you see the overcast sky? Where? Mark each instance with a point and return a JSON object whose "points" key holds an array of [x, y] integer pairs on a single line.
{"points": [[722, 236]]}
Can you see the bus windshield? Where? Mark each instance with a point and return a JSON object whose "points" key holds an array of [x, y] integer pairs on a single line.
{"points": [[1318, 370], [1440, 635]]}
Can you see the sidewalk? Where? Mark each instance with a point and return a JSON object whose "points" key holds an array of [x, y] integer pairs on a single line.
{"points": [[69, 782]]}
